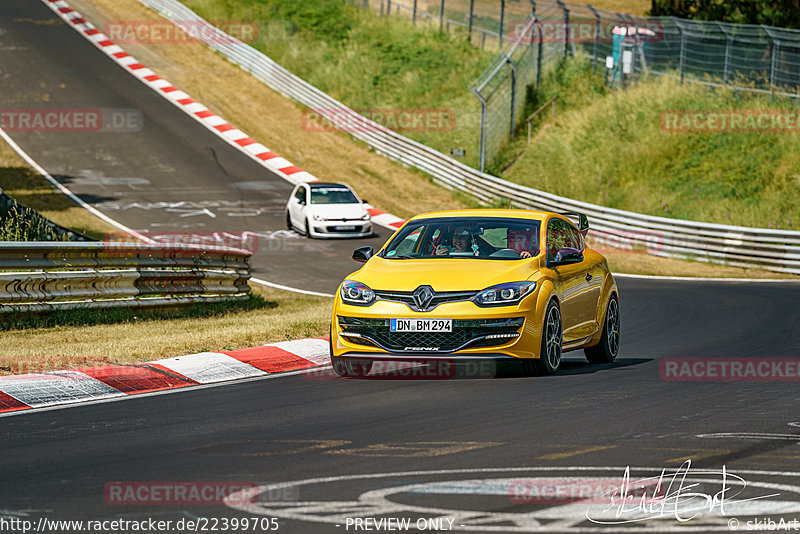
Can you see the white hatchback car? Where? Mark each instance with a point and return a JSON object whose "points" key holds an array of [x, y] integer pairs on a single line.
{"points": [[321, 209]]}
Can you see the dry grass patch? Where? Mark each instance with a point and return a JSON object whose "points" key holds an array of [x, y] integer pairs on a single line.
{"points": [[145, 336]]}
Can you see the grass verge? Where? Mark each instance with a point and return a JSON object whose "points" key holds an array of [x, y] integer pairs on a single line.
{"points": [[385, 66], [612, 147], [96, 338]]}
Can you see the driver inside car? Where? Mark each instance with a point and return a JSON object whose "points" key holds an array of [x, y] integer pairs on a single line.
{"points": [[462, 242], [523, 241]]}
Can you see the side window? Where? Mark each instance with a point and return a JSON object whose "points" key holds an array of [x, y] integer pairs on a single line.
{"points": [[557, 237], [408, 244], [300, 195], [575, 238]]}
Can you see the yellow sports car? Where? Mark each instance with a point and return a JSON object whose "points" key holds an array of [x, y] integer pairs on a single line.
{"points": [[475, 284]]}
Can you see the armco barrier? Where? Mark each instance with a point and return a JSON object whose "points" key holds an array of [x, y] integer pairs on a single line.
{"points": [[42, 276], [776, 250]]}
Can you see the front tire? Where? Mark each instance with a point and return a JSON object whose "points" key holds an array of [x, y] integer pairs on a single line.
{"points": [[606, 351], [552, 336], [289, 221], [308, 230]]}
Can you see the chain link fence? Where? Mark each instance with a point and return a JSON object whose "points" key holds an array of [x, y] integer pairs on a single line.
{"points": [[532, 35]]}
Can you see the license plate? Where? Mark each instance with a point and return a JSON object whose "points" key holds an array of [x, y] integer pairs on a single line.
{"points": [[421, 325], [346, 228]]}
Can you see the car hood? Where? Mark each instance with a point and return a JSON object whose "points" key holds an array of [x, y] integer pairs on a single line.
{"points": [[456, 274], [338, 211]]}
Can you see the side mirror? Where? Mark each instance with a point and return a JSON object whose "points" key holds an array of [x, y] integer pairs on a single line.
{"points": [[583, 221], [362, 254], [566, 256], [364, 201], [301, 202]]}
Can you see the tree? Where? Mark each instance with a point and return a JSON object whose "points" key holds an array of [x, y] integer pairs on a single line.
{"points": [[782, 13]]}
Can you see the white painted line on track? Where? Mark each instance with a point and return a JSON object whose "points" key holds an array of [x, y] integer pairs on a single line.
{"points": [[287, 288]]}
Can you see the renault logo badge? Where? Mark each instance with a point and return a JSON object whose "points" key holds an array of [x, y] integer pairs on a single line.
{"points": [[423, 296]]}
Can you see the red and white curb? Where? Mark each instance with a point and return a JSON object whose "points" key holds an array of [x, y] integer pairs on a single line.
{"points": [[42, 390], [233, 136]]}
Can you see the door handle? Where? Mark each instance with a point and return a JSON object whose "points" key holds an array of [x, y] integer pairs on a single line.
{"points": [[588, 276]]}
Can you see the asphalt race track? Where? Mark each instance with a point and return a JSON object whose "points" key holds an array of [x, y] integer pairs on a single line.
{"points": [[467, 444], [58, 463]]}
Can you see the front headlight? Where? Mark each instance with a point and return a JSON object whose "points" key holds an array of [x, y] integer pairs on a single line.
{"points": [[319, 218], [353, 292], [504, 294], [365, 217]]}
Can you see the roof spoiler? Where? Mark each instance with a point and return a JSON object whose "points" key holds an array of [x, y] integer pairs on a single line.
{"points": [[583, 221]]}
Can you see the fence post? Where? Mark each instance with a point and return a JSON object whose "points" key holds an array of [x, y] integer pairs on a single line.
{"points": [[683, 48], [513, 95], [441, 17], [388, 7], [471, 11], [414, 13], [636, 45], [502, 14], [596, 36], [482, 149], [773, 67], [539, 58], [381, 12], [776, 49], [726, 67], [566, 27], [365, 4]]}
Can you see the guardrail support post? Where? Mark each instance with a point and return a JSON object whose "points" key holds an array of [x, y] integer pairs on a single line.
{"points": [[388, 7], [441, 17], [414, 13]]}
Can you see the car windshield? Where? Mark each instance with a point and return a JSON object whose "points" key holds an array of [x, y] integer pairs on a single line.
{"points": [[468, 237], [332, 195]]}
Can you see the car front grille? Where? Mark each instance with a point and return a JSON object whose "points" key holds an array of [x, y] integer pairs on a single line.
{"points": [[407, 298], [335, 229], [467, 333]]}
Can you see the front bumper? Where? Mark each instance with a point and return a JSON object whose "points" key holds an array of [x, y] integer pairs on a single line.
{"points": [[499, 332], [330, 229]]}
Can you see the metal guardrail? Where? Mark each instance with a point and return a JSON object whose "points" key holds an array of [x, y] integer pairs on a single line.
{"points": [[776, 250], [43, 276]]}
